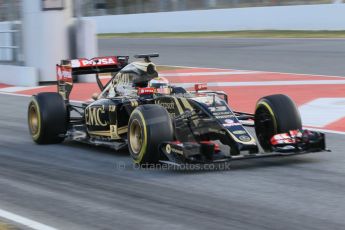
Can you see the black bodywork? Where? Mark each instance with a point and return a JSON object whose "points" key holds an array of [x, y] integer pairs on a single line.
{"points": [[206, 129]]}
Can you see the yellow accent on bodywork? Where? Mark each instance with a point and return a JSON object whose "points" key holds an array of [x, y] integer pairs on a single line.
{"points": [[180, 110], [122, 130], [187, 105], [114, 132]]}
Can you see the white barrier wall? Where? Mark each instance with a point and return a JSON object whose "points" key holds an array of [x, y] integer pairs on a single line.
{"points": [[45, 37], [305, 17], [5, 40], [18, 75]]}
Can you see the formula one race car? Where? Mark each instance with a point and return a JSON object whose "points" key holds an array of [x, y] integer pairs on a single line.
{"points": [[163, 123]]}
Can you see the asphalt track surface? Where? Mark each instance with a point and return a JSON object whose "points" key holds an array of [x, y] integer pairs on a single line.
{"points": [[76, 186], [309, 56]]}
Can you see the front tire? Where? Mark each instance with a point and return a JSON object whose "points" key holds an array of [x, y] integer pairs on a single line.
{"points": [[275, 114], [47, 118], [148, 127]]}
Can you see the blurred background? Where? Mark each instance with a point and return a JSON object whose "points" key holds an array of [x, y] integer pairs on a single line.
{"points": [[130, 12], [149, 6], [75, 186], [10, 9]]}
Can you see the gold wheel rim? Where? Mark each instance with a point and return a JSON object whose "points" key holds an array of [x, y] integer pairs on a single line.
{"points": [[135, 135], [33, 119]]}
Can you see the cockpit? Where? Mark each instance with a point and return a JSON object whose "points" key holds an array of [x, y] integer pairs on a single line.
{"points": [[127, 80]]}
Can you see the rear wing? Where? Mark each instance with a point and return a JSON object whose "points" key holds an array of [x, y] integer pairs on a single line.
{"points": [[68, 70]]}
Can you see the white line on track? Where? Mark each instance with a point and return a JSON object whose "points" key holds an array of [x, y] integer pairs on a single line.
{"points": [[268, 83], [15, 94], [261, 72], [18, 88], [25, 95], [224, 37], [24, 221], [325, 130], [206, 73]]}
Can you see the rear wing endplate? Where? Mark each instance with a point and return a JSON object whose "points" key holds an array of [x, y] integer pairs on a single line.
{"points": [[67, 70]]}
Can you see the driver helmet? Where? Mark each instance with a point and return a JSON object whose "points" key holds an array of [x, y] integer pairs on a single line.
{"points": [[161, 85]]}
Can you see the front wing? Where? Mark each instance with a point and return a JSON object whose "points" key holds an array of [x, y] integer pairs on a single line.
{"points": [[205, 152]]}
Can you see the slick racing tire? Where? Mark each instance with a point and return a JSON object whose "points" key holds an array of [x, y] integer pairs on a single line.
{"points": [[275, 114], [148, 127], [47, 118]]}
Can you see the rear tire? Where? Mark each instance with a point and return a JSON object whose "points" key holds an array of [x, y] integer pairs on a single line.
{"points": [[148, 127], [47, 118], [275, 114]]}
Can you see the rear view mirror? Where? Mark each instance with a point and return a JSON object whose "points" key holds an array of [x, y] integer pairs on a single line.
{"points": [[200, 86]]}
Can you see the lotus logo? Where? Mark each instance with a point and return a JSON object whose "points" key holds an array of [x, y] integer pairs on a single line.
{"points": [[229, 121], [244, 138]]}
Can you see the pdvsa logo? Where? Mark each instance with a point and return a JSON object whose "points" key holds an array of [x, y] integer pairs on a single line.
{"points": [[98, 61]]}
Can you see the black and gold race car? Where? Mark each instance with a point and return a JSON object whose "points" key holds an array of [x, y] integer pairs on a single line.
{"points": [[163, 123]]}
